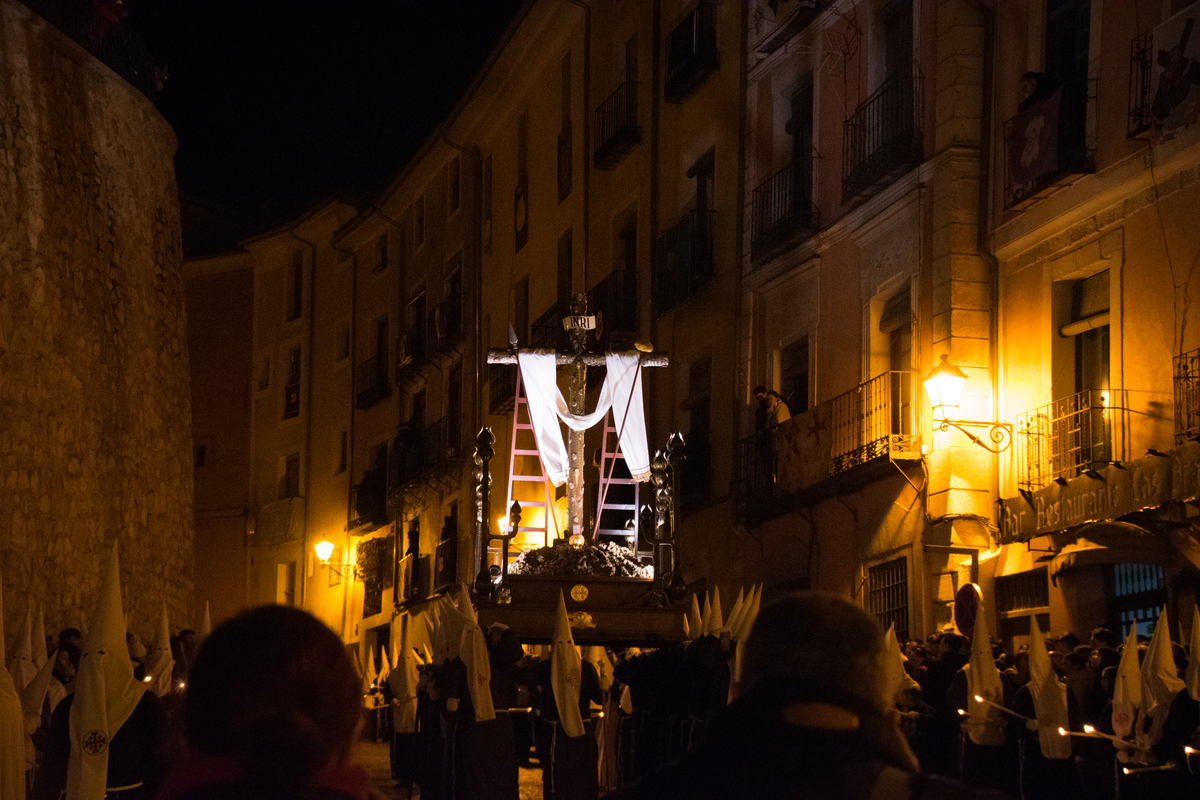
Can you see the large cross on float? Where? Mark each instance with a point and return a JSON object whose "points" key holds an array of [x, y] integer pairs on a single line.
{"points": [[611, 610]]}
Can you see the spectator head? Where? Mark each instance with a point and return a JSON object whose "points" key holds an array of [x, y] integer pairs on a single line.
{"points": [[1103, 637], [274, 690], [760, 392], [70, 636], [1077, 659], [1102, 658], [821, 641], [1067, 642]]}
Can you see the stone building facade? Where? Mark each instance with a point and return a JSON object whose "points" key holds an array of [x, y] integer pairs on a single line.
{"points": [[94, 398]]}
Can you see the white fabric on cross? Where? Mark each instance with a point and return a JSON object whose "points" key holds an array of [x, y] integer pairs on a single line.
{"points": [[622, 392]]}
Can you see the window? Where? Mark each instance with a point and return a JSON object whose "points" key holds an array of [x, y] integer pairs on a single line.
{"points": [[887, 595], [800, 127], [381, 253], [296, 300], [285, 584], [1136, 594], [793, 375], [1023, 591], [343, 453], [289, 482], [455, 183], [291, 389], [897, 40], [343, 342], [263, 378], [419, 222], [565, 267]]}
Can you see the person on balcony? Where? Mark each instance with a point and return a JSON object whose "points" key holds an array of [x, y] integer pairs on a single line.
{"points": [[777, 409]]}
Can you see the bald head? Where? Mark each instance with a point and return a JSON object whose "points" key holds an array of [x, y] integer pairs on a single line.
{"points": [[818, 639]]}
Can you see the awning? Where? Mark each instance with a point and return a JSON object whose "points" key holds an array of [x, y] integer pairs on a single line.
{"points": [[1109, 543]]}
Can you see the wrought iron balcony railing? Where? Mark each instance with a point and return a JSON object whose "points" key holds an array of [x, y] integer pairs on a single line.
{"points": [[417, 453], [882, 139], [412, 348], [371, 381], [756, 470], [614, 302], [691, 52], [875, 419], [1046, 144], [617, 129], [1187, 396], [547, 330], [684, 259], [502, 387], [1067, 437], [782, 212], [445, 564], [445, 324]]}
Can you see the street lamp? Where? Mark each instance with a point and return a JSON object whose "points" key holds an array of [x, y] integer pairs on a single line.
{"points": [[944, 385], [325, 550]]}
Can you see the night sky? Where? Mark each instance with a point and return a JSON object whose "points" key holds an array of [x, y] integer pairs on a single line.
{"points": [[279, 103]]}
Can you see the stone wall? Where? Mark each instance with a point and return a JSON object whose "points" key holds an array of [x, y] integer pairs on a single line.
{"points": [[95, 441]]}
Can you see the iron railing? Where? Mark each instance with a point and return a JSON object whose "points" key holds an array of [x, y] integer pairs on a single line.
{"points": [[445, 323], [782, 210], [882, 138], [874, 419], [547, 331], [756, 469], [1141, 70], [617, 129], [1070, 157], [614, 302], [1187, 396], [1067, 437], [412, 348], [691, 52], [371, 381], [502, 387], [417, 454], [685, 259]]}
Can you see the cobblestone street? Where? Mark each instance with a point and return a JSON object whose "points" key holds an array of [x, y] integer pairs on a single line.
{"points": [[373, 757]]}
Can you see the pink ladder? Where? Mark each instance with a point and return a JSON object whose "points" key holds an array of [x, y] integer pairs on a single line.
{"points": [[617, 499], [524, 470]]}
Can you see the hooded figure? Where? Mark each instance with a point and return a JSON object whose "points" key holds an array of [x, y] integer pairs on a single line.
{"points": [[574, 756], [106, 692], [898, 680], [1049, 697], [1160, 681], [472, 649], [983, 680], [20, 665], [205, 624], [12, 727], [160, 664], [1127, 691], [564, 673]]}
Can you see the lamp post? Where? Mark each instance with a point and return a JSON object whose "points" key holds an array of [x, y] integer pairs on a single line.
{"points": [[944, 386], [324, 550]]}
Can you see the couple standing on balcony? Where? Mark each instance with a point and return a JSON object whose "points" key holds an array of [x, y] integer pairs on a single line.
{"points": [[771, 410]]}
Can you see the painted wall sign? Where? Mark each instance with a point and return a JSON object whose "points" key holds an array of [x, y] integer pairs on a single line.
{"points": [[1117, 490]]}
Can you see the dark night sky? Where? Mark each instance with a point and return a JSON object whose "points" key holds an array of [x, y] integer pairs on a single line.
{"points": [[278, 103]]}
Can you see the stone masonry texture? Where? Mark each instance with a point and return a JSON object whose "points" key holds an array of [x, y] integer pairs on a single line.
{"points": [[95, 442]]}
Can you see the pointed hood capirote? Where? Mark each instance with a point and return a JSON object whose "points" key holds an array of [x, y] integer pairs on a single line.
{"points": [[12, 725], [105, 690], [694, 622], [403, 680], [565, 673], [160, 663], [983, 681], [1049, 697], [472, 649], [205, 623], [20, 661], [1127, 690], [1160, 679]]}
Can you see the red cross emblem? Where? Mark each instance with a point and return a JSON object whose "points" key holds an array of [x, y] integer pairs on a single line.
{"points": [[95, 742]]}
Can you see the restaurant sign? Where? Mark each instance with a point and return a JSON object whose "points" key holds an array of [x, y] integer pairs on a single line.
{"points": [[1105, 494]]}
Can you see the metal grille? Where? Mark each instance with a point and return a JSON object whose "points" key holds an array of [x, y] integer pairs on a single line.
{"points": [[1139, 591], [1187, 396], [887, 595], [1141, 65], [548, 331], [371, 380], [1023, 591], [882, 138], [617, 128], [872, 420], [685, 259], [782, 206], [1066, 437], [691, 52]]}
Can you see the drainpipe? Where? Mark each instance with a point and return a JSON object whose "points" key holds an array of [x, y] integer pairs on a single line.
{"points": [[587, 132], [308, 416], [349, 582]]}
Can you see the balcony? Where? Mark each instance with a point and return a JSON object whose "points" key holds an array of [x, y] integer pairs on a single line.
{"points": [[445, 564], [1187, 396], [418, 454], [835, 446], [1045, 146], [445, 330], [371, 383], [782, 212], [614, 302], [370, 499], [882, 139], [684, 260], [1067, 437], [617, 130], [691, 52], [788, 18], [502, 387], [412, 353], [548, 332]]}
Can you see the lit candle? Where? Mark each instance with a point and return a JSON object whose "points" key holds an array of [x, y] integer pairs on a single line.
{"points": [[999, 707]]}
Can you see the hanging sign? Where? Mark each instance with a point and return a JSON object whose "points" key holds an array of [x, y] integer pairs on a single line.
{"points": [[580, 323]]}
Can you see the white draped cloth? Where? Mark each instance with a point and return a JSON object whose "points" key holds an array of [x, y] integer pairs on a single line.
{"points": [[622, 392]]}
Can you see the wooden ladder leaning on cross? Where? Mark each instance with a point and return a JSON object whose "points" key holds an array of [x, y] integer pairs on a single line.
{"points": [[664, 466]]}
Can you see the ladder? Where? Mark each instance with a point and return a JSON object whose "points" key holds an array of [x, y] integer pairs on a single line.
{"points": [[617, 499], [525, 471]]}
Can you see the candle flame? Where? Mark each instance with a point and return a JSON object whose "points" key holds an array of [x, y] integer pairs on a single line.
{"points": [[962, 712], [1088, 729], [1062, 731], [147, 679], [1189, 750], [978, 699], [1125, 770]]}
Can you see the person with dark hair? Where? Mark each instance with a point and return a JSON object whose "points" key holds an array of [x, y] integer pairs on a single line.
{"points": [[813, 717], [1103, 637], [272, 711]]}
